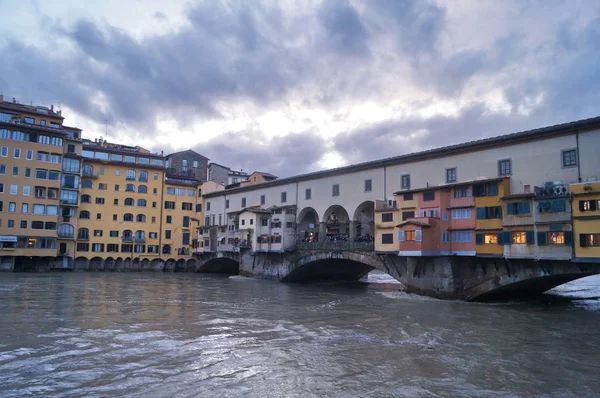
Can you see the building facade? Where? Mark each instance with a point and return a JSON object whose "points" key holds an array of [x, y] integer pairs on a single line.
{"points": [[188, 163]]}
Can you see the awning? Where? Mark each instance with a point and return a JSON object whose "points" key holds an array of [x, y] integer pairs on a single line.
{"points": [[8, 238]]}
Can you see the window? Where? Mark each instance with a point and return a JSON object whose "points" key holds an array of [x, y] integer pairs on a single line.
{"points": [[83, 247], [129, 188], [552, 206], [15, 170], [191, 192], [368, 185], [226, 205], [243, 202], [180, 192], [283, 197], [169, 205], [11, 224], [102, 187], [199, 206], [461, 192], [112, 248], [407, 214], [86, 199], [1, 187], [97, 233], [589, 205], [153, 235], [70, 148], [71, 165], [4, 151], [490, 239], [143, 177], [518, 238], [451, 174], [115, 218], [142, 189], [128, 217], [99, 201], [27, 172], [12, 207], [29, 154], [154, 191], [207, 206], [17, 153], [155, 176], [445, 215], [251, 221], [445, 237], [335, 190], [410, 236], [518, 208], [24, 208], [114, 234], [167, 234], [170, 191], [555, 238], [569, 157], [407, 196], [387, 239], [141, 202], [307, 194], [186, 206], [504, 167], [86, 184], [83, 234], [461, 236], [458, 214], [116, 187], [428, 196], [130, 175], [154, 205], [117, 172], [126, 248], [264, 222], [195, 164], [387, 217], [169, 220], [98, 216], [14, 188], [405, 181], [2, 169], [263, 200], [26, 190], [484, 213], [589, 240], [88, 170]]}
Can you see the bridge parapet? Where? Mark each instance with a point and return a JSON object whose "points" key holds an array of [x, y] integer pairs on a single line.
{"points": [[336, 246]]}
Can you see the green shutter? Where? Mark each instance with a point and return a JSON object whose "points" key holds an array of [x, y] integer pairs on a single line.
{"points": [[500, 238], [541, 236], [479, 239], [481, 213], [526, 208], [510, 209], [558, 205], [582, 241], [507, 240], [568, 238], [530, 237]]}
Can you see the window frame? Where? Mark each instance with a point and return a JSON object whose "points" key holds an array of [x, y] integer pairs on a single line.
{"points": [[562, 158]]}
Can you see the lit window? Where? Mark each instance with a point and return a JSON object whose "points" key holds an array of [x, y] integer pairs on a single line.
{"points": [[519, 238]]}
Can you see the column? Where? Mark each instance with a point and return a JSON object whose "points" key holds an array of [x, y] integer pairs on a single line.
{"points": [[352, 228], [322, 231]]}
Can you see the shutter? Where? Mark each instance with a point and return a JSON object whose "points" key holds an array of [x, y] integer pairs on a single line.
{"points": [[401, 237], [559, 205], [541, 238], [510, 209], [418, 235], [500, 238], [526, 208], [479, 239], [529, 237], [568, 238], [593, 205], [481, 213], [507, 240], [421, 213], [582, 241], [581, 205]]}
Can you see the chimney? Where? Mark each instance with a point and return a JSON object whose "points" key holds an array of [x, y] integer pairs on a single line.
{"points": [[1, 97], [14, 100]]}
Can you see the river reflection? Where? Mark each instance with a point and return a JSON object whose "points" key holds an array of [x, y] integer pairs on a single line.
{"points": [[144, 335]]}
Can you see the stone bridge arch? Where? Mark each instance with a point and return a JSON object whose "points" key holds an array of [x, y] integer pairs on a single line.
{"points": [[363, 221], [218, 263], [341, 266], [308, 224]]}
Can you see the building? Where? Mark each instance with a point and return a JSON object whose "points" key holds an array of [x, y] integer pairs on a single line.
{"points": [[224, 175], [119, 214], [552, 221], [489, 237], [586, 220], [258, 177], [188, 163], [31, 158]]}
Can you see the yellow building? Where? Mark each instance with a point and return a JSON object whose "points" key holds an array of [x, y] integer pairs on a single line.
{"points": [[586, 220], [488, 211], [31, 153], [386, 219], [120, 205], [181, 215]]}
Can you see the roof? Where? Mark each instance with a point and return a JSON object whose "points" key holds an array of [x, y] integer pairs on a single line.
{"points": [[32, 127], [251, 210], [413, 222], [266, 175], [187, 151], [518, 196], [507, 139], [217, 164], [15, 106], [448, 186]]}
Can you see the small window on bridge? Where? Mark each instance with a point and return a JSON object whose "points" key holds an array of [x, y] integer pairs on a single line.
{"points": [[387, 238]]}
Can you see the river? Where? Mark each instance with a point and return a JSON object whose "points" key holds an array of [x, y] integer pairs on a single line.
{"points": [[186, 335]]}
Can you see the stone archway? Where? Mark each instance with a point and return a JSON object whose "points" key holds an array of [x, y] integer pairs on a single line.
{"points": [[191, 265], [135, 264], [119, 264], [170, 265], [144, 264], [127, 264], [97, 264], [335, 224], [180, 265], [156, 264], [81, 263], [308, 225], [109, 264], [362, 225]]}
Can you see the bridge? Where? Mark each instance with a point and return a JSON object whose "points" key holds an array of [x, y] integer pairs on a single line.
{"points": [[450, 277]]}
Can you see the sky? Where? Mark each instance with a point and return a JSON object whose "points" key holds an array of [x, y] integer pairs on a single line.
{"points": [[290, 87]]}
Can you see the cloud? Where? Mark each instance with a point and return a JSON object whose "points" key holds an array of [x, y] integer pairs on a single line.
{"points": [[282, 86]]}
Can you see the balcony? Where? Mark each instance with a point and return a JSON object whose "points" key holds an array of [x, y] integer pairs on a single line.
{"points": [[127, 239], [457, 203], [139, 239], [66, 235], [89, 174], [66, 218], [83, 237], [63, 253], [68, 202]]}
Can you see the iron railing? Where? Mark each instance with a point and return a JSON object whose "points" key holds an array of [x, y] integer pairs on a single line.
{"points": [[336, 246]]}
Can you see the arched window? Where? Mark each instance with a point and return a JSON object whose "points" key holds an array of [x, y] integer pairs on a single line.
{"points": [[166, 249], [129, 202], [129, 188], [140, 236], [140, 218], [128, 217], [88, 170], [130, 175], [143, 176], [83, 234], [84, 215], [18, 136], [65, 231], [4, 133], [86, 184], [141, 202], [86, 199], [127, 236], [142, 189]]}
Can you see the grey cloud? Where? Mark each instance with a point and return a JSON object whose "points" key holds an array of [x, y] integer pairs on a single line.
{"points": [[346, 33]]}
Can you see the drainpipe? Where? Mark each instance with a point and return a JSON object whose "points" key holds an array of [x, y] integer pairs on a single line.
{"points": [[385, 184], [160, 224], [578, 159]]}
